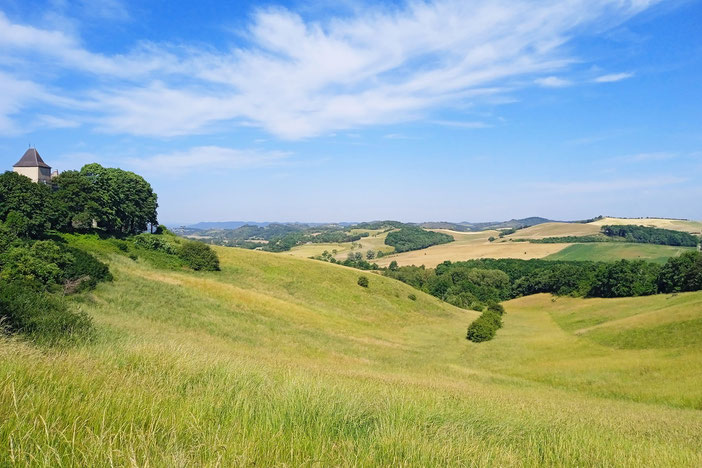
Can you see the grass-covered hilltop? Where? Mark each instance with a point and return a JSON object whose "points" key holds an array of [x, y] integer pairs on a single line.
{"points": [[126, 347]]}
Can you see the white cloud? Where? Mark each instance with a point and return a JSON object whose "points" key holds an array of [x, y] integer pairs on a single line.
{"points": [[207, 157], [611, 78], [297, 78], [552, 82]]}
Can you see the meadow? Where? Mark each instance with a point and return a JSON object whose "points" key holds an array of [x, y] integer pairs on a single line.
{"points": [[278, 361], [474, 245], [375, 242], [619, 250], [471, 245], [694, 227]]}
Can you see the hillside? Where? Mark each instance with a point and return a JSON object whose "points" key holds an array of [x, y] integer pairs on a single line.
{"points": [[284, 361], [694, 227]]}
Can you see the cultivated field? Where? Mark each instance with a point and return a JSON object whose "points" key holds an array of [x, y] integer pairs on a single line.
{"points": [[694, 227], [375, 241], [471, 245], [608, 251], [555, 230], [277, 361]]}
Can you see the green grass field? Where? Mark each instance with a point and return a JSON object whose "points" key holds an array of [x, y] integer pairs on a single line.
{"points": [[278, 361], [608, 251]]}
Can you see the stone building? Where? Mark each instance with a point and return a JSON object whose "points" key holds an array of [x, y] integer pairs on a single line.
{"points": [[32, 166]]}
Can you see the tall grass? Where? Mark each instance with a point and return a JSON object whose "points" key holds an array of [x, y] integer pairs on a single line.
{"points": [[283, 362]]}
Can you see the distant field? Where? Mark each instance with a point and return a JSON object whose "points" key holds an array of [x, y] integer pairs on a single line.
{"points": [[694, 227], [468, 246], [555, 230], [375, 241], [607, 251]]}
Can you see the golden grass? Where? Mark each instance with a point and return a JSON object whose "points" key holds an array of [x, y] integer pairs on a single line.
{"points": [[468, 246], [375, 241], [555, 230], [277, 361], [694, 227]]}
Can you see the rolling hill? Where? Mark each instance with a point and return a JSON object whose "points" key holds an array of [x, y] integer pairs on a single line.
{"points": [[279, 361]]}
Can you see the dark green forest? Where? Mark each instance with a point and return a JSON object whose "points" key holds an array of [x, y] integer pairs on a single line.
{"points": [[414, 238]]}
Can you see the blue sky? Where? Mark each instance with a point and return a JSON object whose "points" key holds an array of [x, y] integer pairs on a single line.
{"points": [[347, 111]]}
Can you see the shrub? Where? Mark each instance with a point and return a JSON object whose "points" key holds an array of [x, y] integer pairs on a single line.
{"points": [[363, 281], [495, 307], [481, 330], [412, 297], [492, 317], [199, 256], [153, 242], [86, 268], [42, 317]]}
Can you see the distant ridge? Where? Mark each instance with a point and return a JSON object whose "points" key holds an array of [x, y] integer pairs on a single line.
{"points": [[468, 226], [225, 224]]}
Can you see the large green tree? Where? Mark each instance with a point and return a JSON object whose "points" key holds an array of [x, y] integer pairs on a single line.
{"points": [[20, 195], [129, 203]]}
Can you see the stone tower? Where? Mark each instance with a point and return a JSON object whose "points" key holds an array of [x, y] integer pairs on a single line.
{"points": [[32, 166]]}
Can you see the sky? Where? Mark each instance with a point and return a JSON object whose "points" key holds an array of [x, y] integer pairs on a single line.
{"points": [[330, 111]]}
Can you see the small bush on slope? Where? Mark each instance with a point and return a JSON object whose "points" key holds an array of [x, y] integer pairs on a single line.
{"points": [[199, 256], [42, 317]]}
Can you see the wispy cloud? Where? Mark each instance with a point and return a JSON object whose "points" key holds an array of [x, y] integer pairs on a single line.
{"points": [[298, 78], [208, 158], [614, 77], [553, 82]]}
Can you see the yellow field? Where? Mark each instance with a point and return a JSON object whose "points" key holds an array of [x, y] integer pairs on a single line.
{"points": [[471, 245], [694, 227], [375, 241], [555, 230]]}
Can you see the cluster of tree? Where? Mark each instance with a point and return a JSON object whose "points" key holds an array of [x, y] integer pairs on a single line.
{"points": [[274, 237], [650, 235], [415, 238], [485, 327], [354, 260], [288, 241], [475, 283], [115, 201]]}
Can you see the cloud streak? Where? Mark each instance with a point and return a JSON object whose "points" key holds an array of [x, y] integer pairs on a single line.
{"points": [[297, 78]]}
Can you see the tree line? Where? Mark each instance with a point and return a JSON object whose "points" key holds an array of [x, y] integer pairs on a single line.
{"points": [[627, 233], [475, 283]]}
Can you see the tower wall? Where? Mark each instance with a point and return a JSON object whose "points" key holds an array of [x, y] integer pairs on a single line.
{"points": [[31, 172]]}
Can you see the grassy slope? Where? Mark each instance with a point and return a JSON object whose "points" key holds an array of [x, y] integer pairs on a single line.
{"points": [[280, 361], [694, 227], [616, 251]]}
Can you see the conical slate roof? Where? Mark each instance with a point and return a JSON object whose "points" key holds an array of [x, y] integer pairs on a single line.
{"points": [[31, 158]]}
